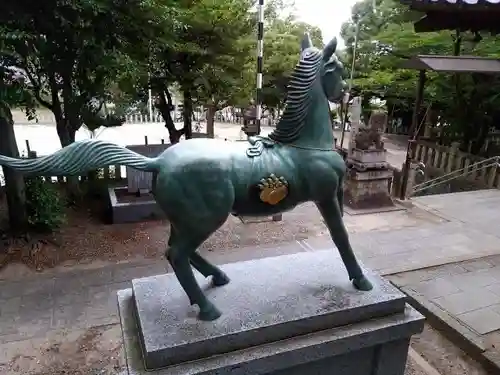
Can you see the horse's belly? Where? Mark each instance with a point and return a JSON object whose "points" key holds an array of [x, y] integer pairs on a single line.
{"points": [[258, 210], [251, 204]]}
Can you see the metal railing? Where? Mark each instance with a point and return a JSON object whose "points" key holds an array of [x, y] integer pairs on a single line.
{"points": [[465, 171]]}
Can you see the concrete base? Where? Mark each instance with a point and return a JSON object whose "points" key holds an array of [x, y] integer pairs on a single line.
{"points": [[369, 156], [367, 193], [132, 212], [274, 322], [376, 210], [259, 219]]}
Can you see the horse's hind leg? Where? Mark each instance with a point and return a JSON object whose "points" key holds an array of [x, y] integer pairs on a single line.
{"points": [[203, 266], [184, 241], [178, 256], [219, 278], [195, 213], [173, 235], [332, 214], [340, 197]]}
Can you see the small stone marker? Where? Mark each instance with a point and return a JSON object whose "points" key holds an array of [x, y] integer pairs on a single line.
{"points": [[138, 181]]}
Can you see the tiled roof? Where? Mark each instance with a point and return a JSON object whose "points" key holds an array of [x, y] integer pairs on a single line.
{"points": [[464, 15], [464, 2], [456, 64]]}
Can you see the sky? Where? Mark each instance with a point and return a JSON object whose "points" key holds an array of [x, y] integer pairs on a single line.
{"points": [[328, 15]]}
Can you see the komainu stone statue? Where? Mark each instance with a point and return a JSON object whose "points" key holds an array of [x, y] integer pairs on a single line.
{"points": [[370, 137], [199, 182]]}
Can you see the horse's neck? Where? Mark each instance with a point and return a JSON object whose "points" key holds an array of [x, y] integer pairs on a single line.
{"points": [[317, 131]]}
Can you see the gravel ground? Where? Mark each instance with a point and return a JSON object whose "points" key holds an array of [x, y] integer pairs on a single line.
{"points": [[98, 351], [86, 240], [413, 369], [444, 355]]}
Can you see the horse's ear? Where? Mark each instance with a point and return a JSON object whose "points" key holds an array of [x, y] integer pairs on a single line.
{"points": [[306, 42], [329, 49]]}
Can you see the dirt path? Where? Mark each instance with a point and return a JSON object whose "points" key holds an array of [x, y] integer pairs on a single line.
{"points": [[98, 351], [85, 240], [95, 351], [443, 355]]}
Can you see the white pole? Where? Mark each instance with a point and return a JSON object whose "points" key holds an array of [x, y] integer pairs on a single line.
{"points": [[260, 49], [150, 106]]}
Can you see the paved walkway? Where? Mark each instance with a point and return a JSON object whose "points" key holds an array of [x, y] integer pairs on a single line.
{"points": [[464, 297], [467, 287]]}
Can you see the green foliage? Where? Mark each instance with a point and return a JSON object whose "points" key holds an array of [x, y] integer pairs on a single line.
{"points": [[72, 52], [79, 55], [466, 105], [13, 89], [215, 70], [282, 43], [45, 207], [74, 57]]}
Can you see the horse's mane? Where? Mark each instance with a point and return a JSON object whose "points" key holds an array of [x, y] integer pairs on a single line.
{"points": [[298, 98]]}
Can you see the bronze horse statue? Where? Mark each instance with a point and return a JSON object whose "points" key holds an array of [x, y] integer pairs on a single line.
{"points": [[198, 183]]}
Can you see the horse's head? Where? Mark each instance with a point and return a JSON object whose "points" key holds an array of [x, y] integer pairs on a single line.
{"points": [[332, 70]]}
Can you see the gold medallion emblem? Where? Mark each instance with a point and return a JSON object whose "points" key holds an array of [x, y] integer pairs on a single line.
{"points": [[273, 189]]}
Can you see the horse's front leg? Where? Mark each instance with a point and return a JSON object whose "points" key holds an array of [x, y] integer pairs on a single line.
{"points": [[332, 214]]}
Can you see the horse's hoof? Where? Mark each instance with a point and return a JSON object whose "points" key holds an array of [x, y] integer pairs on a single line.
{"points": [[362, 283], [209, 313], [220, 279]]}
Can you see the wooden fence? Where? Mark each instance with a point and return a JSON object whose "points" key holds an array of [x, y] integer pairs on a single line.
{"points": [[47, 117], [450, 159]]}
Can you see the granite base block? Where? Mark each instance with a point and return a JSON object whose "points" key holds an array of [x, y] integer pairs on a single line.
{"points": [[132, 212], [290, 314], [375, 347]]}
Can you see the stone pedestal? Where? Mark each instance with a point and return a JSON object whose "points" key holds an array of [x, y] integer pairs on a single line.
{"points": [[368, 180], [293, 314]]}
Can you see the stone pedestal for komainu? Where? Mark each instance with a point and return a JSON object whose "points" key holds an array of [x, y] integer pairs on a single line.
{"points": [[288, 315], [368, 180]]}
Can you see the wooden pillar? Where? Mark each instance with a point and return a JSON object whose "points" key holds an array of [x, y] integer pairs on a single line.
{"points": [[412, 134]]}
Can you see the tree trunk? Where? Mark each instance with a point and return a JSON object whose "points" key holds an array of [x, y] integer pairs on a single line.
{"points": [[210, 121], [164, 105], [478, 143], [67, 128], [67, 137], [14, 182], [188, 114]]}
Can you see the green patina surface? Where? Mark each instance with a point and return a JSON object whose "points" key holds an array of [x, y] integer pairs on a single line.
{"points": [[199, 182]]}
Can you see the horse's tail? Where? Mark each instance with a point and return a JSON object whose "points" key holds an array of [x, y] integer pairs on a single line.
{"points": [[80, 157]]}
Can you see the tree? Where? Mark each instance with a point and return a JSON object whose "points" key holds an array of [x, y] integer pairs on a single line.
{"points": [[228, 80], [75, 50], [213, 61], [71, 52], [465, 106], [281, 42], [13, 93], [205, 59], [231, 79]]}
